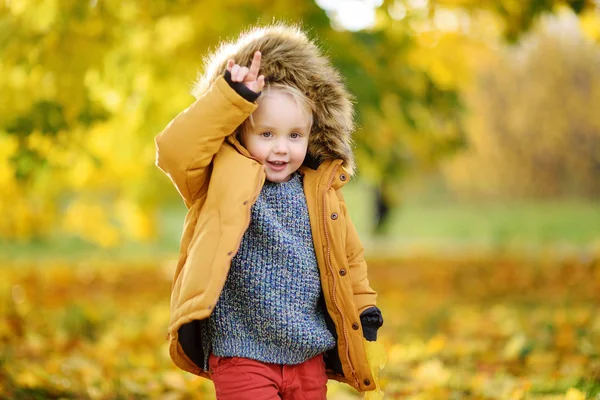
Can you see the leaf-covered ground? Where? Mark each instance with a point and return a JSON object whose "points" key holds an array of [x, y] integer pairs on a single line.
{"points": [[492, 327]]}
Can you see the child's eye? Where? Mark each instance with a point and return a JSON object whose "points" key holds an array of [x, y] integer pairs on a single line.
{"points": [[294, 135], [266, 134]]}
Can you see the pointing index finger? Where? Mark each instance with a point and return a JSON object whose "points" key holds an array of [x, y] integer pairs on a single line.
{"points": [[255, 66]]}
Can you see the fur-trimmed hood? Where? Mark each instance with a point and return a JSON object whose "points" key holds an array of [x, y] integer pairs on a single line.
{"points": [[289, 57]]}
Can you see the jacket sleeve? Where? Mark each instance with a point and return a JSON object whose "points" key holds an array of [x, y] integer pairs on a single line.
{"points": [[364, 296], [185, 148]]}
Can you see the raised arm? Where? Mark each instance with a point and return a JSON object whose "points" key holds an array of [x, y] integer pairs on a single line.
{"points": [[185, 148]]}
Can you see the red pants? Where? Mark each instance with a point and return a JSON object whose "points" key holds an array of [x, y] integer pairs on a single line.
{"points": [[241, 378]]}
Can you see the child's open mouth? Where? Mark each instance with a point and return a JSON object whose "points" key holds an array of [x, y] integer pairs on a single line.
{"points": [[277, 165]]}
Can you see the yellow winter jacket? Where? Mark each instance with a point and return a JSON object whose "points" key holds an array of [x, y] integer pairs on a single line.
{"points": [[219, 182]]}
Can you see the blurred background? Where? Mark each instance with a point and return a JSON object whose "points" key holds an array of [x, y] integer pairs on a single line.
{"points": [[477, 194]]}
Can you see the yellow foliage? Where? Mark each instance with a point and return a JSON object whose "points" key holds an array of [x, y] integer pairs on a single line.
{"points": [[376, 356], [522, 141], [172, 32], [449, 58], [574, 394], [27, 378], [90, 83], [91, 221], [590, 24], [137, 224], [432, 373], [17, 7], [95, 329], [514, 347], [436, 344], [8, 146]]}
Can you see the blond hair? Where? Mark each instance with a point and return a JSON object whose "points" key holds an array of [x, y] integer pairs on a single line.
{"points": [[298, 97]]}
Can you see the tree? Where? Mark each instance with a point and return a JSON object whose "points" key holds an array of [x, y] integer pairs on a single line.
{"points": [[85, 86], [534, 126]]}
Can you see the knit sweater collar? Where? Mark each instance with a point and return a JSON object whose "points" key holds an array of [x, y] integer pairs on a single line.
{"points": [[294, 180]]}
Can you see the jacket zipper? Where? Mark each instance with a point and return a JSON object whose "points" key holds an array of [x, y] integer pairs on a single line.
{"points": [[330, 267]]}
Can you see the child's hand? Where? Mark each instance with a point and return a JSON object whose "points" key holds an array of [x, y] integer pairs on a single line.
{"points": [[248, 77]]}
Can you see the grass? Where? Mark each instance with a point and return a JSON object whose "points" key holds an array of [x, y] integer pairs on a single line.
{"points": [[443, 221], [538, 223], [422, 224]]}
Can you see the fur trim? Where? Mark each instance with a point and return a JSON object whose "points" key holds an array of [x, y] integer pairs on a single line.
{"points": [[289, 57]]}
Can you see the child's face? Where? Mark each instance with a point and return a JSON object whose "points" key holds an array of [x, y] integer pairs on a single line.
{"points": [[279, 137]]}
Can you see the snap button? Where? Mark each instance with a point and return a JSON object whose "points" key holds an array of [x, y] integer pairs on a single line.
{"points": [[355, 326], [230, 253], [245, 202], [367, 382], [342, 272], [334, 216], [342, 177]]}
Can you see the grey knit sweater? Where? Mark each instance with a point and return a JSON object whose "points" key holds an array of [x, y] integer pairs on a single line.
{"points": [[270, 308]]}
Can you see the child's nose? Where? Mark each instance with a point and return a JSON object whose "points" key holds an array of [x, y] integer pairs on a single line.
{"points": [[281, 147]]}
